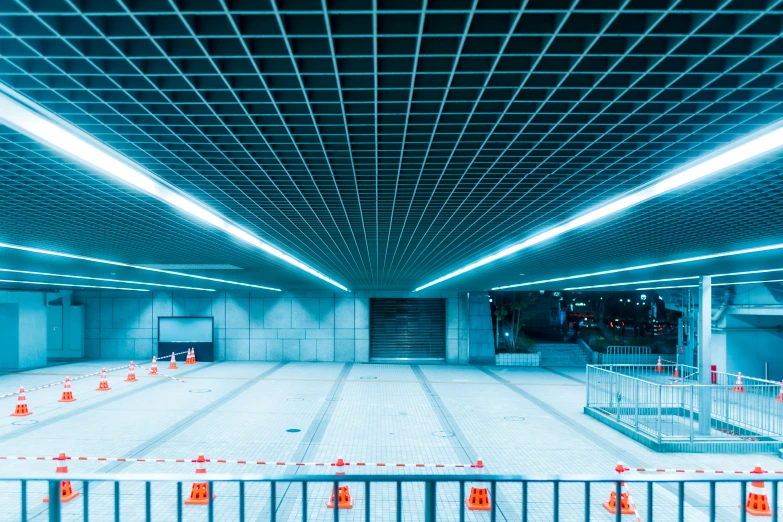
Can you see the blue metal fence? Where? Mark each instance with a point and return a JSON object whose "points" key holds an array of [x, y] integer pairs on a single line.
{"points": [[428, 507]]}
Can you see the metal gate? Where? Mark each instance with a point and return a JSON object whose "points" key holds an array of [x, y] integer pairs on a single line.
{"points": [[406, 329]]}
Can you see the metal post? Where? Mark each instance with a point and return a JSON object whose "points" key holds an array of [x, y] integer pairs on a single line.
{"points": [[461, 501], [743, 499], [242, 499], [273, 501], [649, 502], [712, 502], [179, 501], [304, 501], [705, 355], [774, 501], [556, 501], [210, 503], [399, 502], [366, 502], [660, 400], [86, 501], [54, 501], [493, 508], [618, 494], [587, 502], [336, 501], [691, 415], [681, 502], [524, 502], [429, 501], [148, 501], [24, 500], [116, 502], [636, 400]]}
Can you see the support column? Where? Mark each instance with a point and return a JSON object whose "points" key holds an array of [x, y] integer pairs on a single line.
{"points": [[705, 353]]}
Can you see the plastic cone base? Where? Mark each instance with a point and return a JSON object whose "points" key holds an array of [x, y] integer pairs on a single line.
{"points": [[21, 411], [758, 505], [131, 379], [173, 367], [739, 388], [344, 499], [611, 505], [66, 492], [103, 386], [199, 494], [780, 397], [67, 397], [153, 371], [478, 500]]}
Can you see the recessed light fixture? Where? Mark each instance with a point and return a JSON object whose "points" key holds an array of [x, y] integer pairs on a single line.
{"points": [[33, 120], [116, 263], [77, 286], [728, 283], [750, 147], [766, 248], [104, 279]]}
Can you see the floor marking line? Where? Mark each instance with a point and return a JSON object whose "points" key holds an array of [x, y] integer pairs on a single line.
{"points": [[449, 423], [316, 429], [68, 414], [158, 439], [564, 375]]}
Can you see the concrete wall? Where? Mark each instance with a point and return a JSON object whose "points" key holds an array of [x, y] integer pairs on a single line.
{"points": [[750, 334], [29, 349], [481, 340], [271, 326]]}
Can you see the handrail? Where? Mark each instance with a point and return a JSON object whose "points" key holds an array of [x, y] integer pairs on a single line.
{"points": [[628, 476]]}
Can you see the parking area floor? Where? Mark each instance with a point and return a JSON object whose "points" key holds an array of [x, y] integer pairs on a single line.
{"points": [[522, 421]]}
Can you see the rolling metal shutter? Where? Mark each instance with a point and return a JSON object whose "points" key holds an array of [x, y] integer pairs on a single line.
{"points": [[407, 329]]}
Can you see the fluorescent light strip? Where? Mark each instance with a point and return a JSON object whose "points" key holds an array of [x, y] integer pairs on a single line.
{"points": [[717, 284], [731, 157], [105, 279], [139, 267], [631, 283], [777, 246], [677, 279], [77, 286], [29, 121]]}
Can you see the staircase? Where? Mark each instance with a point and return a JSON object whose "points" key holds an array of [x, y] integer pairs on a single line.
{"points": [[561, 354]]}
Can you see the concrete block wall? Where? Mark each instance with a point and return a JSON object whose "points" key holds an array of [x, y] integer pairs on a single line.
{"points": [[260, 326], [27, 347]]}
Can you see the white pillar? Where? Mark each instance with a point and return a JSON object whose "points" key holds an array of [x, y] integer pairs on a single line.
{"points": [[705, 353]]}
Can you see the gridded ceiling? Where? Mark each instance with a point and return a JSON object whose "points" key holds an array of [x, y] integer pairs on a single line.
{"points": [[388, 142]]}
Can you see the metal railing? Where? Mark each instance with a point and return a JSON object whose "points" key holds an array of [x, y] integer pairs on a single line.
{"points": [[668, 408], [511, 495], [627, 355]]}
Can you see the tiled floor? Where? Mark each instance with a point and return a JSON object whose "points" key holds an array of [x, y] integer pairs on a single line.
{"points": [[518, 421]]}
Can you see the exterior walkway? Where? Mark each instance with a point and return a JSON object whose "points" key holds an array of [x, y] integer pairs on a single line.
{"points": [[518, 421]]}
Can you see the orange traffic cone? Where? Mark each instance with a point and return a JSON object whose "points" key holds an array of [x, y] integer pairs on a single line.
{"points": [[625, 505], [199, 492], [738, 387], [191, 358], [154, 366], [21, 405], [676, 373], [67, 393], [173, 363], [66, 491], [758, 503], [780, 395], [478, 500], [104, 384], [659, 366], [344, 499], [131, 373]]}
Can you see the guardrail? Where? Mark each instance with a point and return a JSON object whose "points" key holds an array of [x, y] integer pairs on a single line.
{"points": [[668, 408], [429, 508]]}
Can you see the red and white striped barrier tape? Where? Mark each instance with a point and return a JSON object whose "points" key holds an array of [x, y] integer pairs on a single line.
{"points": [[704, 471], [63, 382], [252, 462], [160, 373]]}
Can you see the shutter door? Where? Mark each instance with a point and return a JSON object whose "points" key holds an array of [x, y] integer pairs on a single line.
{"points": [[407, 329]]}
